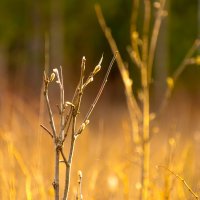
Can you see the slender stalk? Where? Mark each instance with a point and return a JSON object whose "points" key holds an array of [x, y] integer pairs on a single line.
{"points": [[62, 101], [182, 180], [101, 88], [50, 111], [69, 120], [136, 116], [56, 175], [47, 130], [179, 71], [145, 137], [68, 166], [145, 85], [154, 37], [56, 180]]}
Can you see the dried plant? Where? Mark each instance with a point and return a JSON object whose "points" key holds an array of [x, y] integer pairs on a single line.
{"points": [[181, 179], [68, 111], [79, 195], [142, 53]]}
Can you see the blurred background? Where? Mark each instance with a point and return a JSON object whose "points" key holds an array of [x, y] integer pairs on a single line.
{"points": [[71, 29], [35, 34]]}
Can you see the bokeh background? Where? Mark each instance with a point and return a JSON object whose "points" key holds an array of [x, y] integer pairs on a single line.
{"points": [[72, 30], [35, 34]]}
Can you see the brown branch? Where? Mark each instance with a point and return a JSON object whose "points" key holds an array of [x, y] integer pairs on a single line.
{"points": [[124, 72], [154, 37], [101, 88], [68, 167], [47, 130], [178, 72], [182, 180], [49, 110], [64, 158]]}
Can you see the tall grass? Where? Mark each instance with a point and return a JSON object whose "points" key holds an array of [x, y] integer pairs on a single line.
{"points": [[142, 53]]}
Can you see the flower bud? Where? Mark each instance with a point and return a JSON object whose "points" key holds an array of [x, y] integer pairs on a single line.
{"points": [[52, 77]]}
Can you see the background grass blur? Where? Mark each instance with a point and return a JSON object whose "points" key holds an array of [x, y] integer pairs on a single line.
{"points": [[105, 151]]}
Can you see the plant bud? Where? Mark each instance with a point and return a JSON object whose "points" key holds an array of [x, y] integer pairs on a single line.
{"points": [[82, 127], [197, 59], [96, 69], [67, 103], [156, 4], [87, 122], [80, 175], [52, 77], [170, 82], [135, 35]]}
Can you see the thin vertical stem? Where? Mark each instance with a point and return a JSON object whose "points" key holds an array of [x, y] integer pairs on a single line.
{"points": [[154, 38], [145, 86], [56, 181], [62, 101], [69, 164], [145, 136]]}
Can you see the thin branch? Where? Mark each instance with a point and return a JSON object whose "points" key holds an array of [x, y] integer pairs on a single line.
{"points": [[64, 158], [154, 37], [182, 180], [124, 72], [178, 72], [68, 167], [49, 110], [47, 130], [184, 63], [79, 195], [61, 75], [68, 123], [101, 88]]}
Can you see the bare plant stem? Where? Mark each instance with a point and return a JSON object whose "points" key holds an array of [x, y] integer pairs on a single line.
{"points": [[56, 176], [69, 120], [79, 195], [136, 116], [56, 180], [182, 180], [69, 163], [49, 110], [145, 137], [154, 37], [145, 86], [179, 71]]}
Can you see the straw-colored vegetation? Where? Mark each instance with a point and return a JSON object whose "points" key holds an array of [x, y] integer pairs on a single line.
{"points": [[137, 157]]}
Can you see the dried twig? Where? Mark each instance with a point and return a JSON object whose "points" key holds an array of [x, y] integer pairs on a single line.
{"points": [[47, 130], [69, 120], [79, 195], [136, 116], [172, 80], [182, 180], [154, 36]]}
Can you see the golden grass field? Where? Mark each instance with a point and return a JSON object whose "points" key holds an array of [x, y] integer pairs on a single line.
{"points": [[104, 153]]}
